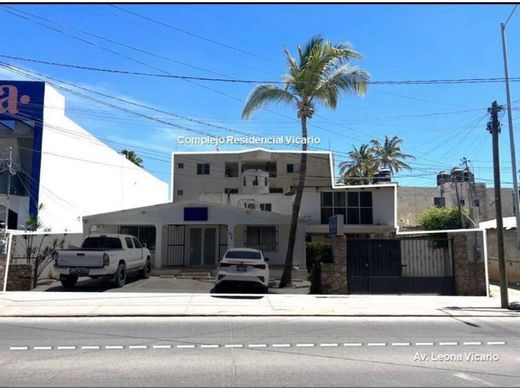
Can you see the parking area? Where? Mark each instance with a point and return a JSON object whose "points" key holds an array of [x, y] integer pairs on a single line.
{"points": [[175, 282]]}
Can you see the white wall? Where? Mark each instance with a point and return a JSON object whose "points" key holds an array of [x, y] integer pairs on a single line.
{"points": [[80, 175]]}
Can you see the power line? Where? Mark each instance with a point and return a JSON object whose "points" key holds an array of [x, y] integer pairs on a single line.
{"points": [[192, 34], [245, 81]]}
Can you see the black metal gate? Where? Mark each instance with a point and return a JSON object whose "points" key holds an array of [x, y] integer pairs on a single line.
{"points": [[175, 245], [396, 266]]}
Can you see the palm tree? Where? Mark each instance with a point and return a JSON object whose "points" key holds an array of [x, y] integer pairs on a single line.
{"points": [[131, 156], [320, 74], [389, 154], [361, 167]]}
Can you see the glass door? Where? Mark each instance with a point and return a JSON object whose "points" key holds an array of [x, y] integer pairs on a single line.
{"points": [[195, 251], [210, 245], [202, 246]]}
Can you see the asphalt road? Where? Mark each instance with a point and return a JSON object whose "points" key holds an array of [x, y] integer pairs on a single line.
{"points": [[254, 352]]}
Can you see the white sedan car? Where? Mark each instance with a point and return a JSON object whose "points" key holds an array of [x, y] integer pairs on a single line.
{"points": [[243, 267]]}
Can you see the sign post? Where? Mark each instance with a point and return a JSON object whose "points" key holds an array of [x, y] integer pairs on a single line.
{"points": [[336, 225]]}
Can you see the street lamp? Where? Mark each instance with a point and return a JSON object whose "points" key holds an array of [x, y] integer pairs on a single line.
{"points": [[511, 131]]}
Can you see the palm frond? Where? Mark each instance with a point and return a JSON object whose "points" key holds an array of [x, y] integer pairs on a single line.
{"points": [[264, 94]]}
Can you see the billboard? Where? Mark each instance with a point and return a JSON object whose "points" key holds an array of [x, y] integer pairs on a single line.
{"points": [[24, 101]]}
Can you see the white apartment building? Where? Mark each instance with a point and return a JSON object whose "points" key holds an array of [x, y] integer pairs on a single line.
{"points": [[244, 199], [58, 164]]}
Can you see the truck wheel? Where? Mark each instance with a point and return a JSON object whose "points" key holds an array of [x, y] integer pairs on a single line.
{"points": [[69, 281], [146, 271], [120, 276]]}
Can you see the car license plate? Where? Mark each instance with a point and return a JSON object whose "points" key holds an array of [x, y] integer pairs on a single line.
{"points": [[241, 268], [79, 271]]}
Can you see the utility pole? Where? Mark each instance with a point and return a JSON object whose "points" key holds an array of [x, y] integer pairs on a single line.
{"points": [[493, 127], [7, 203], [471, 194], [511, 131]]}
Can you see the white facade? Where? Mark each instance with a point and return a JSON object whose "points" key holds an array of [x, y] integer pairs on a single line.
{"points": [[78, 174], [247, 198]]}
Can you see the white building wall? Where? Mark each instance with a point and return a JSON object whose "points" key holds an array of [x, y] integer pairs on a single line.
{"points": [[80, 175]]}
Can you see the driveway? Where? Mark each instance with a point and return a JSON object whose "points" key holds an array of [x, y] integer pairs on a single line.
{"points": [[159, 284]]}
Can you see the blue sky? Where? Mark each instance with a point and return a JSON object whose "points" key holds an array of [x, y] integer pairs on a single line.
{"points": [[439, 123]]}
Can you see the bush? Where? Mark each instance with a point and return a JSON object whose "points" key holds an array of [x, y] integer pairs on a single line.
{"points": [[318, 251], [436, 218]]}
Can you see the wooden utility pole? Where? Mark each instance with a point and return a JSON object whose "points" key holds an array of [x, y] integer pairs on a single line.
{"points": [[493, 127]]}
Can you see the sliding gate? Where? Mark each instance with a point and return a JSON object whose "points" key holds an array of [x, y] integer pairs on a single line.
{"points": [[400, 266]]}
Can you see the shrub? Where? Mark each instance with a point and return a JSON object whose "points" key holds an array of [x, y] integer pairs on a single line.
{"points": [[442, 218], [318, 251]]}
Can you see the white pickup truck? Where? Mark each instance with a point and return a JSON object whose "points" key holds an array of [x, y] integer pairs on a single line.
{"points": [[103, 255]]}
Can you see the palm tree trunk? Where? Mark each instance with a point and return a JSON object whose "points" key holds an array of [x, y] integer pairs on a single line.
{"points": [[287, 269]]}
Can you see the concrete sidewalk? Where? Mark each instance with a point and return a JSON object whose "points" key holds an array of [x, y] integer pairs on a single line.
{"points": [[72, 304]]}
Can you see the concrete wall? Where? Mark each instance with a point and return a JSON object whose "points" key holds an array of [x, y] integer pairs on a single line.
{"points": [[512, 256], [80, 175], [412, 201], [19, 245], [3, 265]]}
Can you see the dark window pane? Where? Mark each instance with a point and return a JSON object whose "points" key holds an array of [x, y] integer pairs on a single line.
{"points": [[365, 199], [290, 168], [353, 199], [339, 199], [341, 211], [366, 216], [353, 216], [326, 213], [326, 199]]}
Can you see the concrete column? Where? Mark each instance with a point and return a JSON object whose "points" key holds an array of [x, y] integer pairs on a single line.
{"points": [[469, 271], [230, 235], [159, 252], [334, 275]]}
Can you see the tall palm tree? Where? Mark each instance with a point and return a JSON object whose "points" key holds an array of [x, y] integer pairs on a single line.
{"points": [[389, 154], [361, 167], [131, 156], [320, 74]]}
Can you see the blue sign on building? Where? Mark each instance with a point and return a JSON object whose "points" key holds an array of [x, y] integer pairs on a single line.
{"points": [[24, 101], [195, 213]]}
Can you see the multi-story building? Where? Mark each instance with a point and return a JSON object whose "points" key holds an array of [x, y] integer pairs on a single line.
{"points": [[245, 199], [453, 189], [48, 159]]}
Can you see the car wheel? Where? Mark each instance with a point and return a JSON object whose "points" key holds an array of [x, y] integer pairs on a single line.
{"points": [[69, 281], [146, 271], [120, 276]]}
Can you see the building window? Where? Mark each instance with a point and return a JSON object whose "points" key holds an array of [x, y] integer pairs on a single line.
{"points": [[255, 181], [144, 233], [231, 169], [275, 190], [231, 190], [292, 168], [356, 207], [203, 169], [180, 165], [264, 238], [265, 181], [462, 202], [180, 192], [439, 201], [245, 181], [265, 206]]}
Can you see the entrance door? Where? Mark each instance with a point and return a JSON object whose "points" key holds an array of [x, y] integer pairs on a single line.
{"points": [[203, 245]]}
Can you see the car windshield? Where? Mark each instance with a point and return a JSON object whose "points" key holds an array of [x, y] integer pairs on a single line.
{"points": [[243, 255], [102, 243]]}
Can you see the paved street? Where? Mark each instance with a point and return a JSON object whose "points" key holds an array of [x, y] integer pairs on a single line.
{"points": [[275, 351]]}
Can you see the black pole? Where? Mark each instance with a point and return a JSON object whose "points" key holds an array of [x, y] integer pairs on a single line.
{"points": [[494, 128]]}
